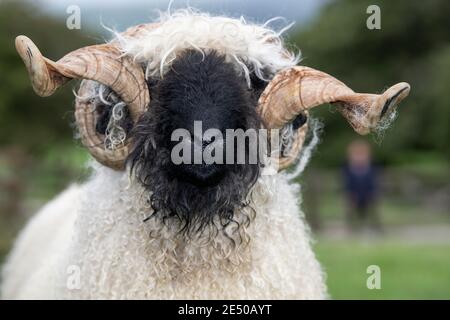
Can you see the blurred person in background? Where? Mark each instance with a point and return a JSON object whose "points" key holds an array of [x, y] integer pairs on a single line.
{"points": [[361, 188]]}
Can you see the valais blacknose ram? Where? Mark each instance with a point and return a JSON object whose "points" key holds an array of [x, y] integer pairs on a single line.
{"points": [[158, 219]]}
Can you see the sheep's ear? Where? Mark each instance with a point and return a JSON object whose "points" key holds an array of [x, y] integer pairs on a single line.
{"points": [[93, 117], [102, 63], [300, 129], [296, 90]]}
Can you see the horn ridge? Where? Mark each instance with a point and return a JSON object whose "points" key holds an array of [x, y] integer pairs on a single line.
{"points": [[298, 89], [103, 63]]}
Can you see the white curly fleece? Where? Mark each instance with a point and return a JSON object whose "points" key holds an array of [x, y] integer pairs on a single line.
{"points": [[251, 47], [97, 229]]}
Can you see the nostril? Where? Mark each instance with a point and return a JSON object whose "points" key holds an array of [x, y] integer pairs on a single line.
{"points": [[210, 141], [199, 140], [206, 142]]}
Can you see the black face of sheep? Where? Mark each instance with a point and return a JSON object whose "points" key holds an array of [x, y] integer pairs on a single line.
{"points": [[198, 90]]}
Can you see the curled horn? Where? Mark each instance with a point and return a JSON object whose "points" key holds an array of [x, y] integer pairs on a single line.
{"points": [[296, 90], [102, 63]]}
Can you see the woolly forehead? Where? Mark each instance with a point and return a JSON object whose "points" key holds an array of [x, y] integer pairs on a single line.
{"points": [[250, 47]]}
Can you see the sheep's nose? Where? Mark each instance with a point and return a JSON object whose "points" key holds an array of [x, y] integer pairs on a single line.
{"points": [[203, 170], [202, 142], [206, 142]]}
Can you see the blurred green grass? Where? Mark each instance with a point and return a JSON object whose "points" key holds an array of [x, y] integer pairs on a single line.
{"points": [[407, 271], [393, 212]]}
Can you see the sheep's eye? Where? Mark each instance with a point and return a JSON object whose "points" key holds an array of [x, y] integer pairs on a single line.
{"points": [[299, 121]]}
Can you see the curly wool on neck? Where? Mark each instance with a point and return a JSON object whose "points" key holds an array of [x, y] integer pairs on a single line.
{"points": [[251, 47]]}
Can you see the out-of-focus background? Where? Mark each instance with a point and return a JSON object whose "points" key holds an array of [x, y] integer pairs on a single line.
{"points": [[382, 200]]}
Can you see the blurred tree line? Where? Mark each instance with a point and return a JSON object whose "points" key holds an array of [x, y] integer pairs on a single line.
{"points": [[413, 45], [37, 152], [28, 121]]}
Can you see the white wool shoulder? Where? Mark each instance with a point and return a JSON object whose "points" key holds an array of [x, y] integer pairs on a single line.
{"points": [[44, 239], [251, 47], [98, 229]]}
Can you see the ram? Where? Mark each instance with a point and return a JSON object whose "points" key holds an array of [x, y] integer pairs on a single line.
{"points": [[144, 226]]}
